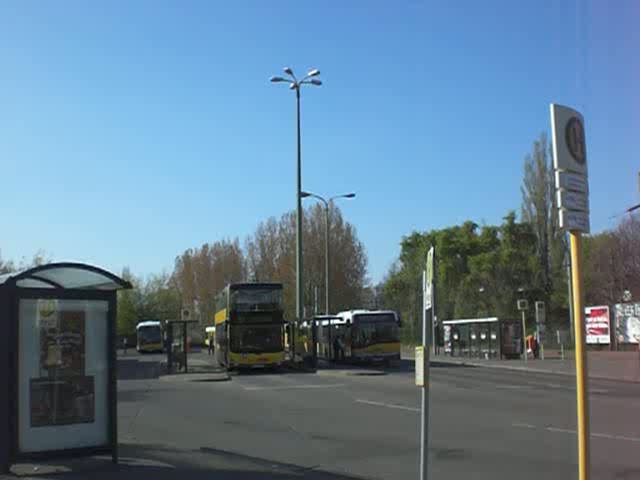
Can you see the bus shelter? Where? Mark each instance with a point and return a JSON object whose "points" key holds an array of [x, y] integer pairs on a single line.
{"points": [[58, 362], [177, 345], [483, 338]]}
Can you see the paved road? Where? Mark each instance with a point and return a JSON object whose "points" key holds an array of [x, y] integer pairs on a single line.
{"points": [[486, 424], [335, 425]]}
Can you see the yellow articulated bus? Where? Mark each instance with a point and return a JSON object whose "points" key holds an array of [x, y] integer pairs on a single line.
{"points": [[149, 337], [249, 325], [364, 335]]}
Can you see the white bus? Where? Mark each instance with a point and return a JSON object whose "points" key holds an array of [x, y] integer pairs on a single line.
{"points": [[150, 336], [360, 335]]}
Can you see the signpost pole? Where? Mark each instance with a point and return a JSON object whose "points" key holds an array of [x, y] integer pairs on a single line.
{"points": [[424, 410], [582, 396], [524, 336], [572, 189], [427, 319]]}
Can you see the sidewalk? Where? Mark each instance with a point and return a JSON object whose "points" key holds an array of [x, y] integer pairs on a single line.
{"points": [[618, 366]]}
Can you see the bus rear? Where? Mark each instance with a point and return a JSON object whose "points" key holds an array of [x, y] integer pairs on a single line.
{"points": [[375, 336]]}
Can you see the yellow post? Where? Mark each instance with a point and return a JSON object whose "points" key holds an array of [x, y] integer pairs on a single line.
{"points": [[582, 394]]}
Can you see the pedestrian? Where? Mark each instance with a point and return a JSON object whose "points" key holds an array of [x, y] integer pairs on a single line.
{"points": [[337, 345], [210, 342]]}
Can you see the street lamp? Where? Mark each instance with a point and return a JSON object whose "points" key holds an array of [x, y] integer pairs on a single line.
{"points": [[326, 239], [295, 84]]}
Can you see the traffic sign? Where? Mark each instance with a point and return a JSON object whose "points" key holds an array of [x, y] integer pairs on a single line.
{"points": [[570, 163], [523, 304], [574, 220], [428, 287], [419, 359], [573, 200], [569, 145], [572, 181]]}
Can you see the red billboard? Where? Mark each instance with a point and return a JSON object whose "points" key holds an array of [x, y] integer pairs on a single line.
{"points": [[597, 325]]}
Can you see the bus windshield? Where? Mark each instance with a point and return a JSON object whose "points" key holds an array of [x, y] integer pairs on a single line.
{"points": [[256, 338], [365, 334], [149, 334], [375, 317], [256, 299]]}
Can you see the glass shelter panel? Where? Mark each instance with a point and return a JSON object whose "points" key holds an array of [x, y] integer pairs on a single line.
{"points": [[63, 372]]}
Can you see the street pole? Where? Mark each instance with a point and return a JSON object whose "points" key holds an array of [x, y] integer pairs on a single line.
{"points": [[295, 84], [299, 284], [524, 335], [424, 410], [570, 293], [326, 260], [327, 224], [582, 397]]}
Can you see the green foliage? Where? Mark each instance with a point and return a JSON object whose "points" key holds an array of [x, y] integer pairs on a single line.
{"points": [[478, 272], [157, 298]]}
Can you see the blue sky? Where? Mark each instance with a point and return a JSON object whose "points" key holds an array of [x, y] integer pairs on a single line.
{"points": [[130, 131]]}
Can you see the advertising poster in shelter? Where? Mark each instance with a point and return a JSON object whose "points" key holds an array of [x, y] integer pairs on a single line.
{"points": [[63, 401], [62, 343], [62, 394]]}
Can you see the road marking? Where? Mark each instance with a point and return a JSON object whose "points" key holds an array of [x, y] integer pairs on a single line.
{"points": [[523, 425], [295, 387], [606, 436], [615, 437], [560, 430], [388, 405]]}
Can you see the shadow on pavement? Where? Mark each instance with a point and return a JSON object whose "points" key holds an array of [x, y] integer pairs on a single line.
{"points": [[399, 367], [132, 369], [162, 463]]}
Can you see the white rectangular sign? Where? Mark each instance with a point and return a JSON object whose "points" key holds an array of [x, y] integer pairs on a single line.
{"points": [[572, 220], [628, 322], [573, 200], [419, 366], [572, 181], [428, 287]]}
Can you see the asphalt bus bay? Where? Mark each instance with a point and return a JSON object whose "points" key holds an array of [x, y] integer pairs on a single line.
{"points": [[337, 424]]}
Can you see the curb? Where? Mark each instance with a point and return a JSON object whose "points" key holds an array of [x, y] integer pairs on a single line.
{"points": [[196, 377], [527, 369], [352, 373]]}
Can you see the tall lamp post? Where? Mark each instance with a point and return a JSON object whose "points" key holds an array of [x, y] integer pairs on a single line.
{"points": [[295, 84], [326, 239]]}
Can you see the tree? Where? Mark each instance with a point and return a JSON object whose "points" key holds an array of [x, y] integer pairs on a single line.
{"points": [[478, 272], [612, 263], [271, 257], [6, 266], [539, 208], [199, 274], [127, 318]]}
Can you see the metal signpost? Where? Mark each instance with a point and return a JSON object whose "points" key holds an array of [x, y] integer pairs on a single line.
{"points": [[572, 189], [523, 305], [422, 360], [541, 327]]}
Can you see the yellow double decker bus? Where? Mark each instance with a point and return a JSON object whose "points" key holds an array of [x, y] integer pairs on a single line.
{"points": [[249, 325]]}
